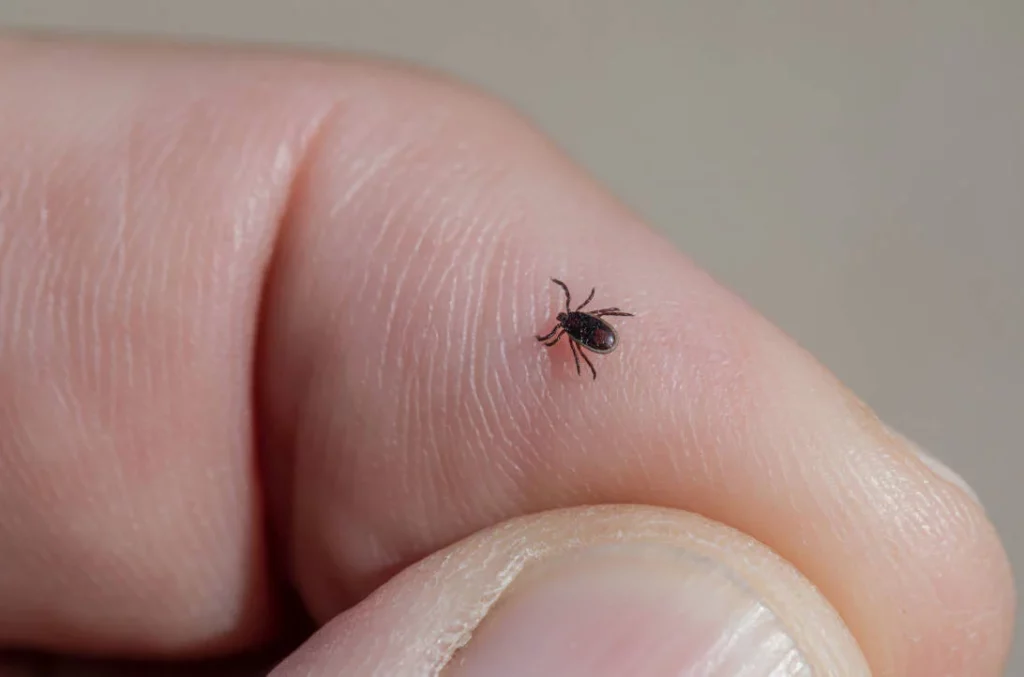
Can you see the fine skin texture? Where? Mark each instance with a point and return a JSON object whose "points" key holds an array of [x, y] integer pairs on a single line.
{"points": [[268, 325]]}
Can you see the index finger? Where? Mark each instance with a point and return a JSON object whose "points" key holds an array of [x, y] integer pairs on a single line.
{"points": [[411, 403]]}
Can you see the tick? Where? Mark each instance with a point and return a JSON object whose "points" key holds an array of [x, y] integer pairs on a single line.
{"points": [[585, 330]]}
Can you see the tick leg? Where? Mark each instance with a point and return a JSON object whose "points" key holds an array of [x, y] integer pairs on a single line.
{"points": [[589, 363], [550, 333], [613, 312], [589, 299], [576, 356], [554, 340], [568, 296]]}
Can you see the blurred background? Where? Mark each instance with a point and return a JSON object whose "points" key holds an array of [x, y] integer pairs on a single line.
{"points": [[854, 169]]}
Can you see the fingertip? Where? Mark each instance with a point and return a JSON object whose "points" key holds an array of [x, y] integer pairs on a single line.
{"points": [[420, 250]]}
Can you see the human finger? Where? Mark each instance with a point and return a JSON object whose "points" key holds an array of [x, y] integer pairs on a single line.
{"points": [[591, 591], [409, 403]]}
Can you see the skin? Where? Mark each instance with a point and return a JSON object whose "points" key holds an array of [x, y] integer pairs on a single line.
{"points": [[268, 339]]}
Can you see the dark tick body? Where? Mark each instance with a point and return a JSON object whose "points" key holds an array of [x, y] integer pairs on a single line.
{"points": [[585, 330]]}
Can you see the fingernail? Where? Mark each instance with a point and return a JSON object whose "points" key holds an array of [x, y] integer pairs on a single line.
{"points": [[638, 610], [943, 471]]}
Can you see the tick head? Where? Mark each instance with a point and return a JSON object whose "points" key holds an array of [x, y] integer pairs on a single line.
{"points": [[561, 317]]}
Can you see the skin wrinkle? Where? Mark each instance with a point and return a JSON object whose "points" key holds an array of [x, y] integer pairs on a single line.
{"points": [[144, 283], [129, 275], [477, 257], [448, 345], [28, 317], [7, 250], [381, 162], [105, 385], [58, 323], [414, 414], [120, 485], [183, 324], [489, 296], [387, 332], [479, 400], [380, 290], [513, 468], [434, 378], [464, 364], [289, 180], [173, 133], [130, 314], [85, 371], [476, 417], [531, 414], [455, 355], [117, 266], [417, 389], [394, 315], [368, 287], [535, 415], [439, 377]]}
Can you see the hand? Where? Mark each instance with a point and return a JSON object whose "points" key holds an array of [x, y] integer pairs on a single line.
{"points": [[268, 333]]}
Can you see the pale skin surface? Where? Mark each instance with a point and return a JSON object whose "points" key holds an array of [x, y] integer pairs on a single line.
{"points": [[369, 251]]}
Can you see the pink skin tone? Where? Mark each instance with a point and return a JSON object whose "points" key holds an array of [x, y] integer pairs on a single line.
{"points": [[388, 237]]}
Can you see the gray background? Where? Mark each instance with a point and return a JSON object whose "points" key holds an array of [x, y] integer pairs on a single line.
{"points": [[854, 169]]}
